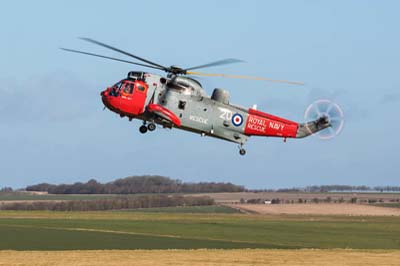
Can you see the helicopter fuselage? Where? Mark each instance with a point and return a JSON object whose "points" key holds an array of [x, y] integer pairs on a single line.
{"points": [[181, 102]]}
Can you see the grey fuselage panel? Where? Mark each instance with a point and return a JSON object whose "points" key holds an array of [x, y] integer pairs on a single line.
{"points": [[198, 112]]}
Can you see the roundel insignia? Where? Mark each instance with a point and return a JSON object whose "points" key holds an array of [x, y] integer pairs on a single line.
{"points": [[237, 119]]}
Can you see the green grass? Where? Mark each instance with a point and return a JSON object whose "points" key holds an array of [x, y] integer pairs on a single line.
{"points": [[36, 238], [139, 230], [190, 209], [390, 205]]}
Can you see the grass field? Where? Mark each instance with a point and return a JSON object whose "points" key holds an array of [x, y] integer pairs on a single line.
{"points": [[390, 205], [195, 236], [191, 209], [140, 230], [237, 257]]}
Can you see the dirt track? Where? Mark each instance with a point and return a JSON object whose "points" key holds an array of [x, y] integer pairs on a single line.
{"points": [[202, 257], [319, 209]]}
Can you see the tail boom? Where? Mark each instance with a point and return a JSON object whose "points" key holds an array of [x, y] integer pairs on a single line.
{"points": [[312, 127], [262, 124]]}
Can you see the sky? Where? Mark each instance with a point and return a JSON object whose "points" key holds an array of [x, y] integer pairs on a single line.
{"points": [[52, 124]]}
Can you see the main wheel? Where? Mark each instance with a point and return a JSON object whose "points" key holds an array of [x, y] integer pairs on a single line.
{"points": [[242, 152], [151, 126], [143, 129]]}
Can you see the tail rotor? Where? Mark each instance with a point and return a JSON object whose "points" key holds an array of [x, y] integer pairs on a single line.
{"points": [[325, 111]]}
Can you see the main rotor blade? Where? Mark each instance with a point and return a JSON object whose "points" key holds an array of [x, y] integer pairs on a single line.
{"points": [[217, 63], [244, 77], [111, 58], [123, 52]]}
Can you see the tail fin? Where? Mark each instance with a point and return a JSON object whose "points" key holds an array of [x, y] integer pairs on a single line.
{"points": [[312, 127]]}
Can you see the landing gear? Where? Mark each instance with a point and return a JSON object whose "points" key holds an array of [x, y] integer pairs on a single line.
{"points": [[151, 126], [143, 129], [241, 150], [147, 127]]}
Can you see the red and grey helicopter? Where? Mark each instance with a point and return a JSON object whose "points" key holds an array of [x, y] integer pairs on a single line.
{"points": [[179, 101]]}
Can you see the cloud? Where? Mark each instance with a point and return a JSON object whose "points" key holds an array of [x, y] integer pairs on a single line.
{"points": [[390, 98]]}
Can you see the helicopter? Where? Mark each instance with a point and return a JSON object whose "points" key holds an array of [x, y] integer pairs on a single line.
{"points": [[179, 101]]}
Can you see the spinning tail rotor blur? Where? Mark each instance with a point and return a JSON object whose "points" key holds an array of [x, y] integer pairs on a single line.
{"points": [[329, 112]]}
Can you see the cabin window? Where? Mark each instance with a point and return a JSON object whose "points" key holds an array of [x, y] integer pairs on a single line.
{"points": [[181, 105], [141, 87], [128, 88]]}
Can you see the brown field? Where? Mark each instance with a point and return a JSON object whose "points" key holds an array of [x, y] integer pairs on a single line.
{"points": [[318, 209], [240, 257], [235, 197]]}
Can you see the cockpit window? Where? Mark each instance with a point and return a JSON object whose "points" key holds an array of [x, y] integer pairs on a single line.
{"points": [[117, 85], [141, 88], [115, 89]]}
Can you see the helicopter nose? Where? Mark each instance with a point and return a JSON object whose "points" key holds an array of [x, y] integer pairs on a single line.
{"points": [[104, 93], [105, 98]]}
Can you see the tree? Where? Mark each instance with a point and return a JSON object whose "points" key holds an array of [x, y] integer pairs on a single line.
{"points": [[136, 184], [6, 189]]}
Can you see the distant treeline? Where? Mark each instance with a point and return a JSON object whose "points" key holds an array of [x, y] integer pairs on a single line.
{"points": [[335, 188], [136, 184], [160, 184], [6, 189], [120, 203]]}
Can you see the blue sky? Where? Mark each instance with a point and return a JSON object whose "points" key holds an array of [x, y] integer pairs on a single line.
{"points": [[53, 128]]}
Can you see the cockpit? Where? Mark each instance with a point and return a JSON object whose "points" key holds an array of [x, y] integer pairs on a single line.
{"points": [[127, 97], [127, 87]]}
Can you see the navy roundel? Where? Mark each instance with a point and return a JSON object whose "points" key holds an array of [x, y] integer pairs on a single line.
{"points": [[237, 119]]}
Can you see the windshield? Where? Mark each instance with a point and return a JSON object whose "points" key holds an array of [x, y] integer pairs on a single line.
{"points": [[118, 84], [115, 89]]}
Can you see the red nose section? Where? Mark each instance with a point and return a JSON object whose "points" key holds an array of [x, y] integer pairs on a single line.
{"points": [[127, 97], [107, 99]]}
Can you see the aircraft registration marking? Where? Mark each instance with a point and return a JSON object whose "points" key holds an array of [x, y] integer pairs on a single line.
{"points": [[199, 119]]}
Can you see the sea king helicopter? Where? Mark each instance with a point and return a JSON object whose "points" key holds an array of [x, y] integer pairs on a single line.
{"points": [[179, 101]]}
